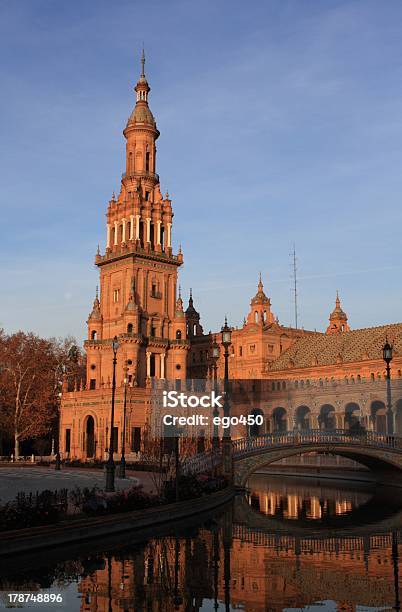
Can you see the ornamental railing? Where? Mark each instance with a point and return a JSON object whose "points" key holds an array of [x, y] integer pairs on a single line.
{"points": [[203, 462], [243, 446]]}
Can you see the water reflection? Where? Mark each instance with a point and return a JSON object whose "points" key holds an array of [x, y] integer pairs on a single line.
{"points": [[289, 499], [237, 561]]}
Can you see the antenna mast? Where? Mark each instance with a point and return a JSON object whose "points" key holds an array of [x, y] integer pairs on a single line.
{"points": [[294, 260]]}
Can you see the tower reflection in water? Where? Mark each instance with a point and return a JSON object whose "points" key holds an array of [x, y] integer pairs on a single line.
{"points": [[246, 558]]}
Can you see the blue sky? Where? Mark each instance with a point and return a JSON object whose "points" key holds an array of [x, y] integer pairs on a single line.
{"points": [[281, 122]]}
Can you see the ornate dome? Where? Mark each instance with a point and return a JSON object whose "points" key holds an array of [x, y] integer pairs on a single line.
{"points": [[337, 312], [260, 297], [141, 114]]}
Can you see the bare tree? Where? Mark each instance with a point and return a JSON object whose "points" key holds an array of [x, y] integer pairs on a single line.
{"points": [[31, 370]]}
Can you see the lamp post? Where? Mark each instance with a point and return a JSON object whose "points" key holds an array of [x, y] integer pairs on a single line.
{"points": [[110, 466], [122, 470], [57, 464], [227, 441], [215, 357], [387, 356]]}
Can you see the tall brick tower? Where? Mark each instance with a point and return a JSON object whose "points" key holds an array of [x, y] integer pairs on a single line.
{"points": [[137, 302]]}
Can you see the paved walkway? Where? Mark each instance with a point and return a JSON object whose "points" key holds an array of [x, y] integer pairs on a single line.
{"points": [[32, 479]]}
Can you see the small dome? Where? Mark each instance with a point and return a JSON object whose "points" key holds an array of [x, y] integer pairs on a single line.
{"points": [[260, 297], [141, 114]]}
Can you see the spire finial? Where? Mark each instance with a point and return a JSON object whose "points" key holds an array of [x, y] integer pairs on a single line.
{"points": [[97, 292], [98, 251], [143, 61], [180, 291], [337, 301]]}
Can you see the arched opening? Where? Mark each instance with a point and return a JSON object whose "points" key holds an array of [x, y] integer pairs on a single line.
{"points": [[352, 416], [279, 417], [152, 372], [378, 416], [162, 237], [398, 417], [326, 419], [93, 334], [302, 418], [90, 437], [178, 334], [258, 427], [130, 328], [256, 317]]}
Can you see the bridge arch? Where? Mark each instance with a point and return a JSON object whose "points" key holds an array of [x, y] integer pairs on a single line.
{"points": [[377, 452]]}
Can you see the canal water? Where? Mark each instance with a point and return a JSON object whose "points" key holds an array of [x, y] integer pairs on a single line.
{"points": [[287, 544]]}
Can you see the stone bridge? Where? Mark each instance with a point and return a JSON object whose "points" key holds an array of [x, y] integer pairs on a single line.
{"points": [[379, 452]]}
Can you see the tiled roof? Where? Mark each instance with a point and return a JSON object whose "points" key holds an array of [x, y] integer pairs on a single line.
{"points": [[345, 347]]}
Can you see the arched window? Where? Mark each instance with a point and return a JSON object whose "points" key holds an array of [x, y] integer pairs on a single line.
{"points": [[178, 334], [93, 335], [256, 316], [372, 376], [130, 328]]}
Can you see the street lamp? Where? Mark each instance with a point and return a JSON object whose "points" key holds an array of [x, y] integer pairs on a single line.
{"points": [[57, 464], [215, 357], [110, 466], [226, 442], [226, 333], [122, 470], [387, 356]]}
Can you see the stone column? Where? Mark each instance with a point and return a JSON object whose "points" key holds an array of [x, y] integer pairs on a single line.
{"points": [[168, 235], [148, 237], [131, 227], [158, 231], [108, 236], [123, 237], [115, 232], [162, 368], [339, 420], [149, 363], [137, 227]]}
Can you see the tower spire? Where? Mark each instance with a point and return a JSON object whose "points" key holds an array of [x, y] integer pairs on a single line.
{"points": [[143, 62]]}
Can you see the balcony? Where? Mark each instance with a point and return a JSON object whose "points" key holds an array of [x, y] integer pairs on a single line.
{"points": [[142, 174]]}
